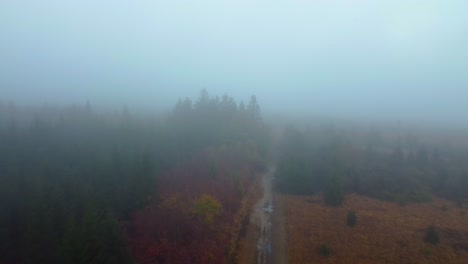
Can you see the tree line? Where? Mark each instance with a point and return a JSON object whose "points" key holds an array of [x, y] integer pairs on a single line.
{"points": [[378, 163], [73, 179]]}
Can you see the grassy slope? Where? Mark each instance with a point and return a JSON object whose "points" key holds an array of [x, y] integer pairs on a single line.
{"points": [[385, 233]]}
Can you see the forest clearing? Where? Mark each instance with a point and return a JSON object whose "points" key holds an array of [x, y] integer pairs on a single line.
{"points": [[385, 232]]}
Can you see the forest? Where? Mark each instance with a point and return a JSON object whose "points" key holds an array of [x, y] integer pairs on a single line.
{"points": [[83, 186], [389, 193], [233, 132], [86, 186], [397, 164]]}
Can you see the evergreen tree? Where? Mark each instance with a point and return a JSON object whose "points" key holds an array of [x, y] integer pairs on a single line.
{"points": [[334, 192]]}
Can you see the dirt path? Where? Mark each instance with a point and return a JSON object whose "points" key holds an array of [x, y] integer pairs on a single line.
{"points": [[270, 222], [279, 234], [261, 217]]}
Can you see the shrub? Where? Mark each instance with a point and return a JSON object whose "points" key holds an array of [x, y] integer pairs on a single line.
{"points": [[334, 194], [325, 250], [420, 195], [352, 219], [426, 252], [432, 236]]}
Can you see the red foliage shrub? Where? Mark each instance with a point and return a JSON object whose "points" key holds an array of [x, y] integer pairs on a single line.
{"points": [[170, 231]]}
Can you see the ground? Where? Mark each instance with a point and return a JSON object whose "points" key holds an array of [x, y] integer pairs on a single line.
{"points": [[386, 232], [265, 241], [279, 235]]}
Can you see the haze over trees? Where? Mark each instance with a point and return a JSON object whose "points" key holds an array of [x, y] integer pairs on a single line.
{"points": [[80, 186], [366, 193], [381, 164], [329, 132]]}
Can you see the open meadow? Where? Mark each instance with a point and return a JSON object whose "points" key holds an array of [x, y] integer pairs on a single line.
{"points": [[385, 232]]}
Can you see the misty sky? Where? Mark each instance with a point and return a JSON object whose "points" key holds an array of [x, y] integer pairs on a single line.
{"points": [[398, 58]]}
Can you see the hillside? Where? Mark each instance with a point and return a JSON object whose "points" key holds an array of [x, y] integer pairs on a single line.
{"points": [[385, 231]]}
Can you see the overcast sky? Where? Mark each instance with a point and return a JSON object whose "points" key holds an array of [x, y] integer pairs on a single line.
{"points": [[399, 58]]}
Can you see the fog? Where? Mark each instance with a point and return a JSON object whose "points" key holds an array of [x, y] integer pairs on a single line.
{"points": [[392, 60], [233, 131]]}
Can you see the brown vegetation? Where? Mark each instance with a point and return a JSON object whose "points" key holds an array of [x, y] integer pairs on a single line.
{"points": [[385, 233], [247, 243]]}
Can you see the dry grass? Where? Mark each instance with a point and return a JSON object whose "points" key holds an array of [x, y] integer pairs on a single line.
{"points": [[385, 232], [247, 248]]}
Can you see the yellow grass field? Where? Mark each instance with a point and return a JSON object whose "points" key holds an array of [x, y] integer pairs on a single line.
{"points": [[385, 232]]}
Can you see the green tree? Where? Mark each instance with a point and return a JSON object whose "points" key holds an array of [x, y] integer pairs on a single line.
{"points": [[325, 250], [351, 220], [432, 236], [253, 108], [334, 192]]}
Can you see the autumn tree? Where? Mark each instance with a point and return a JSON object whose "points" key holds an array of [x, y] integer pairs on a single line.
{"points": [[207, 209]]}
